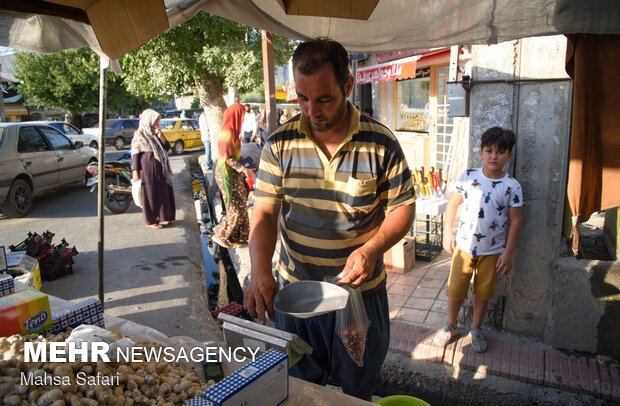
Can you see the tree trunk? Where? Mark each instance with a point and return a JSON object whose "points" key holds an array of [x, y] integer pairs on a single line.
{"points": [[211, 94], [75, 118]]}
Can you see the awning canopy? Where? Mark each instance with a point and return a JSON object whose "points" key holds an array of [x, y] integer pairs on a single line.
{"points": [[400, 69], [118, 26], [15, 109]]}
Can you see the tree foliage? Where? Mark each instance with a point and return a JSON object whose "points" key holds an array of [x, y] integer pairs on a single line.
{"points": [[178, 60], [69, 80]]}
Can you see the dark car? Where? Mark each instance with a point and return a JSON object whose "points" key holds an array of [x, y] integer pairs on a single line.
{"points": [[118, 131], [34, 159]]}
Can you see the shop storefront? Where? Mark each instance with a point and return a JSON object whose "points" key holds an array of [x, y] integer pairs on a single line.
{"points": [[410, 96]]}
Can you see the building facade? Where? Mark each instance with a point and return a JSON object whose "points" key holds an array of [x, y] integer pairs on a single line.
{"points": [[521, 85]]}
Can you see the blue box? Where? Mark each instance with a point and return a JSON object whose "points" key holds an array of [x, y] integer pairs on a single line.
{"points": [[263, 382], [3, 264], [7, 284], [89, 311], [198, 401]]}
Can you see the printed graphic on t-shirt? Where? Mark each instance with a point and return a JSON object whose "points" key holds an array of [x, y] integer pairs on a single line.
{"points": [[484, 223]]}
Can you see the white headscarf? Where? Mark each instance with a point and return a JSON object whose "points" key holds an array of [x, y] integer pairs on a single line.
{"points": [[145, 140]]}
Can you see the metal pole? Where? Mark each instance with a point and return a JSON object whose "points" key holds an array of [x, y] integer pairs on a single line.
{"points": [[269, 81], [354, 90], [2, 115], [103, 89]]}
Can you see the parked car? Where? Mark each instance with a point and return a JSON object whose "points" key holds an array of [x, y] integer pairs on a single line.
{"points": [[34, 159], [182, 133], [72, 132], [118, 131], [90, 119]]}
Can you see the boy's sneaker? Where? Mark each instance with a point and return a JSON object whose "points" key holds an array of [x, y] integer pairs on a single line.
{"points": [[478, 343], [444, 335]]}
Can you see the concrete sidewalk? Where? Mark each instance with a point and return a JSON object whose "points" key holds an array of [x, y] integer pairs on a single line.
{"points": [[514, 369]]}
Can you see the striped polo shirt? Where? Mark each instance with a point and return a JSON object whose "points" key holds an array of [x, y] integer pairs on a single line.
{"points": [[330, 207]]}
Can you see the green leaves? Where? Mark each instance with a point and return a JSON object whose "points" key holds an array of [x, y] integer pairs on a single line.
{"points": [[67, 80], [206, 45], [207, 51]]}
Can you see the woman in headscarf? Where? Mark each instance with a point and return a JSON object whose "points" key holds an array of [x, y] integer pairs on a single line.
{"points": [[149, 163], [234, 227]]}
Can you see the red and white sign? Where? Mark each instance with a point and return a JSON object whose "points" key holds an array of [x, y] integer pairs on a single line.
{"points": [[400, 69]]}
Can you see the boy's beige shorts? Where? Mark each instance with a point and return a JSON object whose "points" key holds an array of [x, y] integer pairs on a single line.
{"points": [[483, 268]]}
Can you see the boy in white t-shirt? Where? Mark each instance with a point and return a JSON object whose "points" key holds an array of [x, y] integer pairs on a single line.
{"points": [[488, 231]]}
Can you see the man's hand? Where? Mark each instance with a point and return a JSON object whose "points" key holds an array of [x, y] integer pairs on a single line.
{"points": [[359, 267], [258, 297], [449, 242], [504, 263]]}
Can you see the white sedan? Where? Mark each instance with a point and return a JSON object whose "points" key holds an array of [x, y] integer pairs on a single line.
{"points": [[73, 133]]}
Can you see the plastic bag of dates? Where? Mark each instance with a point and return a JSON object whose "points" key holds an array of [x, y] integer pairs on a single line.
{"points": [[352, 326]]}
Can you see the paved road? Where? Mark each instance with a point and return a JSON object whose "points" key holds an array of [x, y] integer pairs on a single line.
{"points": [[152, 277]]}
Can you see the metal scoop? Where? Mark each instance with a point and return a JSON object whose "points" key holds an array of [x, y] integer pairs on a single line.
{"points": [[305, 299]]}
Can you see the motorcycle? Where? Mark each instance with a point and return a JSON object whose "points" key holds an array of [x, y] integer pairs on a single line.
{"points": [[117, 195]]}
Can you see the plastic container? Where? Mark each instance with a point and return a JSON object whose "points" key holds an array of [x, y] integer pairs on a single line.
{"points": [[244, 333], [401, 400]]}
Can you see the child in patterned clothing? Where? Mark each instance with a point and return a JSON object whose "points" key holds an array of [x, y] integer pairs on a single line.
{"points": [[487, 235]]}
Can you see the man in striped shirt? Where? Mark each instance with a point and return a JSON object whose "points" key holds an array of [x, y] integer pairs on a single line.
{"points": [[328, 177]]}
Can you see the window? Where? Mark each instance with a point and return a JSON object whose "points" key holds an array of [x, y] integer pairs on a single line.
{"points": [[413, 102], [30, 140], [58, 140], [128, 124], [444, 124], [69, 129], [166, 125]]}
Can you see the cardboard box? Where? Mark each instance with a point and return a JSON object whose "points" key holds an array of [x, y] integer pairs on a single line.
{"points": [[27, 311], [401, 257], [25, 269], [89, 312], [263, 382]]}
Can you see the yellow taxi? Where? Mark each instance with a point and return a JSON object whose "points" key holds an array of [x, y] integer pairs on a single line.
{"points": [[182, 133]]}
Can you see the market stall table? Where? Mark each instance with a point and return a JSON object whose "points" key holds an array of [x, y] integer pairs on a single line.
{"points": [[300, 392]]}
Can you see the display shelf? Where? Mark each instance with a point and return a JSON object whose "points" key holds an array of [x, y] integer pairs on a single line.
{"points": [[428, 227], [428, 232]]}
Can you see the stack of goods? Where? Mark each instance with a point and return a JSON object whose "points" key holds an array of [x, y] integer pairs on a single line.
{"points": [[90, 383], [55, 261], [25, 318], [28, 311], [24, 312]]}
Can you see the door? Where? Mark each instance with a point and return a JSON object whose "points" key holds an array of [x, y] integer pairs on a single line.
{"points": [[190, 133], [37, 158], [73, 133], [443, 123], [128, 128], [71, 165]]}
